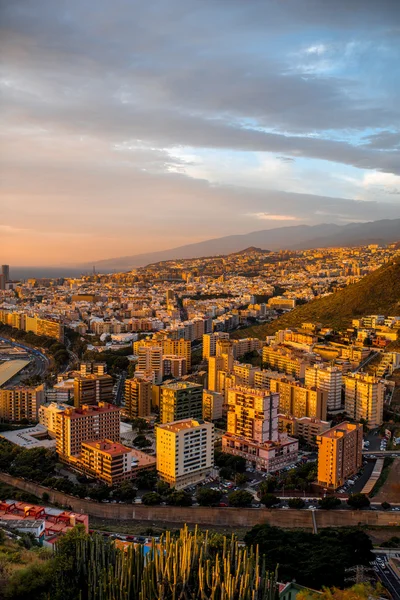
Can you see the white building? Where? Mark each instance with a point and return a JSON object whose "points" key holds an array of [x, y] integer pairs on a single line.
{"points": [[326, 379], [364, 397]]}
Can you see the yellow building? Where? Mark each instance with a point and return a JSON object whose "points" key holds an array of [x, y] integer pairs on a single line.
{"points": [[212, 405], [185, 452], [283, 360], [364, 398], [21, 403], [138, 397], [253, 414], [299, 401], [210, 342], [339, 454], [93, 389]]}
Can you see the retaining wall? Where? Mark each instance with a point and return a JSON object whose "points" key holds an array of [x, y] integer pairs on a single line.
{"points": [[228, 517]]}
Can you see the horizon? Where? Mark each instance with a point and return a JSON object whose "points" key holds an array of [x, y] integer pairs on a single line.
{"points": [[134, 129]]}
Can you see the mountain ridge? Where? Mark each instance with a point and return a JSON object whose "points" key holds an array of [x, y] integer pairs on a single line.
{"points": [[296, 237], [376, 293]]}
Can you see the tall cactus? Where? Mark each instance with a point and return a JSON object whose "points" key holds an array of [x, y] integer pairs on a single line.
{"points": [[176, 568]]}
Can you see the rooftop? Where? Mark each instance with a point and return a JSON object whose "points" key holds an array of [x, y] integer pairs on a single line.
{"points": [[180, 425], [108, 447]]}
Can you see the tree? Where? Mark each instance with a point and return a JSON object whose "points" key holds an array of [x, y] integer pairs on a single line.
{"points": [[296, 503], [45, 497], [146, 480], [180, 498], [151, 499], [208, 497], [270, 500], [241, 478], [141, 441], [358, 501], [386, 506], [329, 502], [125, 492], [241, 498], [99, 493], [268, 486], [226, 473], [163, 488]]}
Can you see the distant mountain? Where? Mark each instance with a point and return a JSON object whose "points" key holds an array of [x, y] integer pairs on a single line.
{"points": [[377, 293], [251, 250], [283, 238]]}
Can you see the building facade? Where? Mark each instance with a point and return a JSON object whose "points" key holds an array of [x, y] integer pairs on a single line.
{"points": [[339, 454], [181, 400]]}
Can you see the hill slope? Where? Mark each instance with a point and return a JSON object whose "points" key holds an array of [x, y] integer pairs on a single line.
{"points": [[377, 293], [282, 238]]}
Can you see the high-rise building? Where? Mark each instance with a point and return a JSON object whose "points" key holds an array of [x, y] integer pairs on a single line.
{"points": [[212, 405], [174, 366], [181, 400], [364, 398], [185, 452], [106, 460], [92, 389], [47, 415], [253, 414], [326, 379], [170, 297], [245, 374], [339, 454], [21, 403], [86, 424], [179, 347], [299, 401], [210, 341], [5, 276], [150, 359], [282, 359], [304, 427], [93, 368], [138, 397]]}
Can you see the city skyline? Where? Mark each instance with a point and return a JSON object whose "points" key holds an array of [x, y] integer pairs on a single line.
{"points": [[140, 128]]}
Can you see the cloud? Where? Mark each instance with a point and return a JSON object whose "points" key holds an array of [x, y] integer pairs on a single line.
{"points": [[271, 217]]}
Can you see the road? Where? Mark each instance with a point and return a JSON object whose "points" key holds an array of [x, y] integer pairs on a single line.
{"points": [[120, 390], [387, 576], [40, 362]]}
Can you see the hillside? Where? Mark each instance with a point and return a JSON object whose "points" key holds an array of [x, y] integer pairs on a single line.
{"points": [[281, 238], [377, 293]]}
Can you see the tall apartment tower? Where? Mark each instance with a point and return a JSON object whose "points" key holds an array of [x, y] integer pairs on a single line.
{"points": [[181, 400], [185, 452], [339, 454], [364, 398], [87, 424], [179, 347], [253, 414], [210, 341], [299, 401], [326, 379], [21, 403], [92, 389], [150, 359], [138, 396], [4, 276]]}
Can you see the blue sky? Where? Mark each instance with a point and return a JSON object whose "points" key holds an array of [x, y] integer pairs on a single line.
{"points": [[130, 127]]}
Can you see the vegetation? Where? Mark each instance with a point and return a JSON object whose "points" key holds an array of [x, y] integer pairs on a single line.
{"points": [[329, 502], [151, 499], [296, 503], [358, 501], [270, 500], [241, 498], [387, 463], [90, 567], [359, 591], [57, 350], [304, 556], [377, 293], [208, 497]]}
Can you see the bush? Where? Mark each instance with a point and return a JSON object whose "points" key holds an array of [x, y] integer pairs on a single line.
{"points": [[208, 497], [180, 498], [358, 501], [329, 502], [270, 500], [296, 503], [151, 499], [240, 498], [386, 506]]}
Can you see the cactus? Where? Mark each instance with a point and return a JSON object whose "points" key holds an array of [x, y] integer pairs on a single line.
{"points": [[181, 568]]}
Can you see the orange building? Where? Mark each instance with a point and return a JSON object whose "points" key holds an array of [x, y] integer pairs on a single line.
{"points": [[339, 454]]}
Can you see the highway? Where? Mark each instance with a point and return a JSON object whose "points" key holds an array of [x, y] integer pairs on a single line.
{"points": [[387, 576], [40, 362]]}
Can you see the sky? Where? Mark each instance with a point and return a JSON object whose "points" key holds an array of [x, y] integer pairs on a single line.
{"points": [[129, 126]]}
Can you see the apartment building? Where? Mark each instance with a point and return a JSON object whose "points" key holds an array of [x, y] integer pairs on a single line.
{"points": [[179, 347], [364, 398], [185, 452], [106, 460], [245, 374], [174, 366], [92, 368], [213, 403], [253, 414], [304, 427], [20, 403], [150, 359], [181, 400], [86, 424], [329, 380], [47, 415], [92, 389], [210, 342], [138, 398], [339, 454], [283, 360], [299, 401]]}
